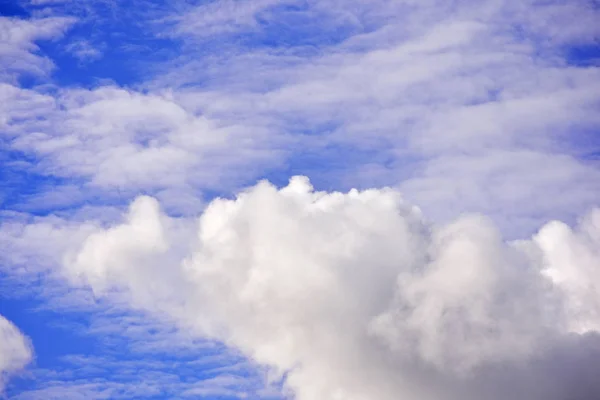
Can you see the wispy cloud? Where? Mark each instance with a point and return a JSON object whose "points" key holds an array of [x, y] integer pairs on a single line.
{"points": [[221, 17], [84, 51], [427, 91], [17, 53]]}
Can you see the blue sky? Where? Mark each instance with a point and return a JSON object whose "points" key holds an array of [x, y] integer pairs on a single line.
{"points": [[441, 143]]}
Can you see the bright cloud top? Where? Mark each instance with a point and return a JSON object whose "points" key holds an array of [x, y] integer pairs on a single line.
{"points": [[15, 350], [356, 297]]}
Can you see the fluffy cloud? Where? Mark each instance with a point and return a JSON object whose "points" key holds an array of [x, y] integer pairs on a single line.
{"points": [[356, 296], [15, 350]]}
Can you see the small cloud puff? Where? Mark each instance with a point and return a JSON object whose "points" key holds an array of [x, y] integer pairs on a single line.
{"points": [[15, 351]]}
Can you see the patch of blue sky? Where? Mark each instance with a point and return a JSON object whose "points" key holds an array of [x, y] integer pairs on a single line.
{"points": [[106, 45], [20, 185], [120, 353], [25, 189], [114, 43], [44, 328], [585, 55], [13, 9]]}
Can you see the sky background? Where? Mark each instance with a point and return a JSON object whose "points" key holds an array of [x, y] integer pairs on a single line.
{"points": [[140, 257]]}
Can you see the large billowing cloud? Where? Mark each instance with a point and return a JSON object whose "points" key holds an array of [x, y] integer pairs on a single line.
{"points": [[355, 296], [15, 350]]}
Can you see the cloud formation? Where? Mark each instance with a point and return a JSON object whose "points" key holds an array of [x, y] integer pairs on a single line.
{"points": [[462, 106], [440, 99], [356, 296], [437, 99], [15, 351]]}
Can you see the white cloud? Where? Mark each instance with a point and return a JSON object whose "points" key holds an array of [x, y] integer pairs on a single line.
{"points": [[84, 50], [423, 90], [117, 138], [221, 16], [18, 37], [423, 96], [501, 184], [36, 243], [572, 260], [356, 297], [15, 351]]}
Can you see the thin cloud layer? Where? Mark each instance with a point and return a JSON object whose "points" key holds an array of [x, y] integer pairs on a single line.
{"points": [[15, 351], [355, 296]]}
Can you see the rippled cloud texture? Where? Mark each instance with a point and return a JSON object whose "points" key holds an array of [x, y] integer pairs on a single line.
{"points": [[450, 247]]}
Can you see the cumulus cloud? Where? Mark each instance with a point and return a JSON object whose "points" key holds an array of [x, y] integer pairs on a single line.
{"points": [[15, 351], [356, 296]]}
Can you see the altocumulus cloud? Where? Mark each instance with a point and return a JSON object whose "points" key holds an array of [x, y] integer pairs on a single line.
{"points": [[356, 296]]}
